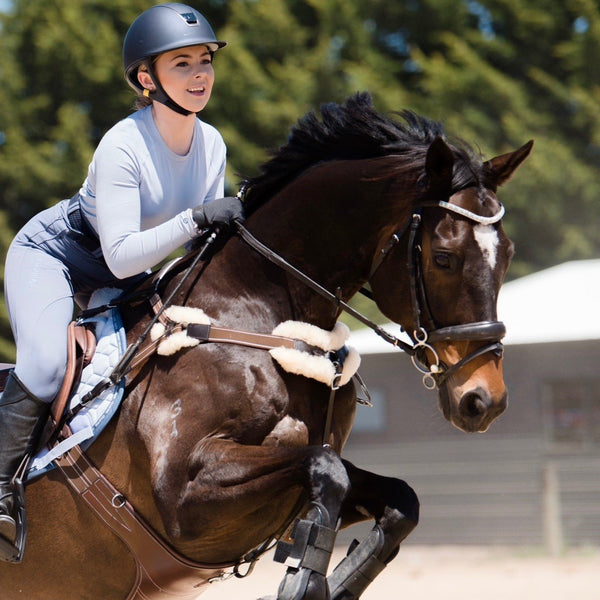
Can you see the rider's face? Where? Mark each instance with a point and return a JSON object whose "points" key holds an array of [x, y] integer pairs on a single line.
{"points": [[187, 76]]}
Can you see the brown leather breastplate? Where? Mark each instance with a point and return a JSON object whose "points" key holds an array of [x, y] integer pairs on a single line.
{"points": [[162, 574]]}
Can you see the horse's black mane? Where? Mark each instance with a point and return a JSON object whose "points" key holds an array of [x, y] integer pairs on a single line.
{"points": [[354, 130]]}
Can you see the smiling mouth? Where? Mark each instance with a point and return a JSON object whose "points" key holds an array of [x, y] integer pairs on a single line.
{"points": [[197, 90]]}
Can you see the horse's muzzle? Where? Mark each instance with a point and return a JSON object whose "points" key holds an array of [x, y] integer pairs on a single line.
{"points": [[474, 411]]}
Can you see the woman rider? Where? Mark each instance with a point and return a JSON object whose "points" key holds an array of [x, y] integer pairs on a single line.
{"points": [[156, 180]]}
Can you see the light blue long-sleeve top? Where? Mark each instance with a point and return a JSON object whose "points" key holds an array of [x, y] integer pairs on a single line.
{"points": [[139, 194]]}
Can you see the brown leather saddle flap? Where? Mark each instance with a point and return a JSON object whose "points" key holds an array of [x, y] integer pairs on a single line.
{"points": [[81, 345]]}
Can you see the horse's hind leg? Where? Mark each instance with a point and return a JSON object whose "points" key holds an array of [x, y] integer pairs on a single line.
{"points": [[395, 508]]}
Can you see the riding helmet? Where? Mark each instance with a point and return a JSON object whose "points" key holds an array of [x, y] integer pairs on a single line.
{"points": [[159, 29]]}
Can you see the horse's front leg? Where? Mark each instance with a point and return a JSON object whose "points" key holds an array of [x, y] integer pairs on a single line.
{"points": [[394, 506], [248, 492]]}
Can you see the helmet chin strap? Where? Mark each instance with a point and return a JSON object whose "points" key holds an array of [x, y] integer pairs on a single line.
{"points": [[161, 96]]}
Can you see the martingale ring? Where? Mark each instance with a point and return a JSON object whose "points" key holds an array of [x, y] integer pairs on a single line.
{"points": [[429, 382], [118, 501]]}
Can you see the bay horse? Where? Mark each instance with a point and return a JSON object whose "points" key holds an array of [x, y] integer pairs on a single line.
{"points": [[217, 447]]}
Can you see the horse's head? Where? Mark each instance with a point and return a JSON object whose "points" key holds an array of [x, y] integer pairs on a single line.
{"points": [[419, 219], [457, 255]]}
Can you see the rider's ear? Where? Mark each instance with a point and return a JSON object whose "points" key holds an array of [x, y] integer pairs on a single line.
{"points": [[500, 169], [438, 167]]}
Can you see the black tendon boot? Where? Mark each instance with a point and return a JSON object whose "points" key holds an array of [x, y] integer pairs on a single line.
{"points": [[22, 417]]}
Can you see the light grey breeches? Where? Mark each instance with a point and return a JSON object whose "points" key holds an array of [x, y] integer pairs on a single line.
{"points": [[47, 271]]}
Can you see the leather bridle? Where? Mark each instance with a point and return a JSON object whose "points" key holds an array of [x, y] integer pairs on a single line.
{"points": [[435, 372]]}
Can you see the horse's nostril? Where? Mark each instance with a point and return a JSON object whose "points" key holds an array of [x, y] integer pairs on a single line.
{"points": [[474, 404]]}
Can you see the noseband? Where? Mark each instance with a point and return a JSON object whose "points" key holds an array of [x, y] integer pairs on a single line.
{"points": [[435, 372]]}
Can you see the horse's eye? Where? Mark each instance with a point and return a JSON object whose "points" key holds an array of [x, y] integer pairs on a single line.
{"points": [[442, 260]]}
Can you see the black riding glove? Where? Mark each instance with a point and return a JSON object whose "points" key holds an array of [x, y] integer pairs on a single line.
{"points": [[221, 212]]}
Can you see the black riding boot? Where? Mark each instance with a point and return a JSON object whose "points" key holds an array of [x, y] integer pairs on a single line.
{"points": [[22, 417]]}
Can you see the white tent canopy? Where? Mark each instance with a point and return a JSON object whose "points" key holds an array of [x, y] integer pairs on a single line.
{"points": [[558, 304]]}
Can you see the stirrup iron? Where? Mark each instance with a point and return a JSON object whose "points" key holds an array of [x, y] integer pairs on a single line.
{"points": [[13, 552]]}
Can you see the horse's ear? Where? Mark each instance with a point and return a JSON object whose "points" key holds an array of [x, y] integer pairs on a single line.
{"points": [[438, 166], [500, 169]]}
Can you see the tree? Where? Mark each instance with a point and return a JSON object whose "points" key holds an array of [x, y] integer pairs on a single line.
{"points": [[496, 72], [63, 88], [500, 72]]}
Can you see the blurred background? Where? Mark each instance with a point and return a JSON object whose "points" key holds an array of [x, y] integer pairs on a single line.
{"points": [[497, 73]]}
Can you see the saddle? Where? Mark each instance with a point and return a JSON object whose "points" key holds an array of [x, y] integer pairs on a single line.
{"points": [[82, 342], [81, 346]]}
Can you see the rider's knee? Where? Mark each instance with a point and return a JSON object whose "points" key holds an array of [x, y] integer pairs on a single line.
{"points": [[43, 378]]}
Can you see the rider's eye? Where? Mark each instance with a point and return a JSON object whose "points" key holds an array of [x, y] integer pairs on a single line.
{"points": [[442, 260]]}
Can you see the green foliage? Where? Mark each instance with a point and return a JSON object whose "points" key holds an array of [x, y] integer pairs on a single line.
{"points": [[496, 72], [62, 88]]}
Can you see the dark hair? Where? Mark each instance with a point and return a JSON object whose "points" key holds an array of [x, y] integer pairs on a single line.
{"points": [[141, 102]]}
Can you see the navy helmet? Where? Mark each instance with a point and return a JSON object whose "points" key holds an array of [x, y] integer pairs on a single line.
{"points": [[159, 29]]}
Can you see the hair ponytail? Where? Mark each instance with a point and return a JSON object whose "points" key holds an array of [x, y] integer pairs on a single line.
{"points": [[142, 102]]}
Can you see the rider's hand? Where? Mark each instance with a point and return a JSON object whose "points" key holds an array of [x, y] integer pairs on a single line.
{"points": [[221, 212]]}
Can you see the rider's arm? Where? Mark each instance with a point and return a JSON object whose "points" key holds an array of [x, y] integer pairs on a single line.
{"points": [[131, 246]]}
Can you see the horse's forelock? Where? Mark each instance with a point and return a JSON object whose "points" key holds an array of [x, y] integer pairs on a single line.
{"points": [[468, 169]]}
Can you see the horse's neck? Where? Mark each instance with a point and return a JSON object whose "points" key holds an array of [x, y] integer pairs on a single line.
{"points": [[328, 224]]}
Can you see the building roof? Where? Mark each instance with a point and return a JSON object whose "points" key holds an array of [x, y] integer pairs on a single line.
{"points": [[558, 304]]}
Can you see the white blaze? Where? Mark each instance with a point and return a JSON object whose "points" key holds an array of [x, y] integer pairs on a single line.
{"points": [[487, 238]]}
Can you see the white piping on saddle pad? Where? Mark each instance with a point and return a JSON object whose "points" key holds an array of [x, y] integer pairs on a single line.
{"points": [[312, 366], [177, 341], [91, 420]]}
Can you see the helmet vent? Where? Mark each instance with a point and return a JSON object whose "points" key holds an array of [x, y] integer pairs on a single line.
{"points": [[190, 18]]}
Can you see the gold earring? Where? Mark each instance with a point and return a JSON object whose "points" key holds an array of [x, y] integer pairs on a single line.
{"points": [[146, 93]]}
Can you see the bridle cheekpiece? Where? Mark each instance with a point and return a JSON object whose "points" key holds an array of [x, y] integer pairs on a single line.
{"points": [[434, 371]]}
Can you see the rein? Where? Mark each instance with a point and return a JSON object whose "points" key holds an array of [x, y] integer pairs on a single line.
{"points": [[435, 372], [276, 259], [125, 364]]}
